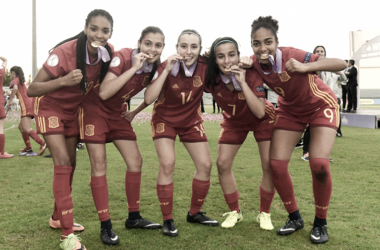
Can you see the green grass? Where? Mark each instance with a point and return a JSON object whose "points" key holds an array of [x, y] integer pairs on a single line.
{"points": [[26, 197]]}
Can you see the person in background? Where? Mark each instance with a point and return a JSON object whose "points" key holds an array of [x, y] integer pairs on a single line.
{"points": [[352, 85]]}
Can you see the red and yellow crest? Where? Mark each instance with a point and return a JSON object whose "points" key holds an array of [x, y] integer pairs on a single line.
{"points": [[197, 82], [53, 122], [241, 96], [160, 128], [89, 130], [284, 77]]}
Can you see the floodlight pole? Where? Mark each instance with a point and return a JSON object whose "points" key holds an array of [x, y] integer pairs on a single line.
{"points": [[34, 41]]}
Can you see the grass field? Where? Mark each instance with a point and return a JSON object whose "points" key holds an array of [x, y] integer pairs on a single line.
{"points": [[26, 197]]}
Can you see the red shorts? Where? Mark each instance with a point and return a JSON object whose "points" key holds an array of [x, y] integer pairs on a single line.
{"points": [[96, 128], [324, 116], [230, 134], [2, 111], [162, 129], [50, 122], [28, 112]]}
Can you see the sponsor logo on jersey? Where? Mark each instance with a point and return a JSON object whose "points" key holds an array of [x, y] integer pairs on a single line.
{"points": [[197, 82], [241, 96], [260, 89], [53, 60], [175, 86], [53, 122], [115, 62], [284, 77], [160, 128], [89, 130]]}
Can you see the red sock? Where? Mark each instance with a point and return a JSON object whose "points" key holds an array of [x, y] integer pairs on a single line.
{"points": [[233, 201], [26, 139], [200, 190], [132, 190], [322, 185], [266, 199], [2, 143], [284, 185], [165, 197], [61, 190], [99, 191], [55, 211], [35, 137]]}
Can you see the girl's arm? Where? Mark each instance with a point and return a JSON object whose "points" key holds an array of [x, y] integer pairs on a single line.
{"points": [[5, 61], [131, 114], [255, 104], [112, 83], [42, 83], [14, 91], [153, 90], [322, 64]]}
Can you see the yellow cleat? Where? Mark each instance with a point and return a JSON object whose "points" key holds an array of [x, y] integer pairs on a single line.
{"points": [[233, 217], [72, 242], [265, 221]]}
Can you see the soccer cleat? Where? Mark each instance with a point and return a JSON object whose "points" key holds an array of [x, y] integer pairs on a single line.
{"points": [[265, 221], [141, 223], [72, 242], [339, 134], [319, 234], [6, 155], [56, 224], [233, 217], [108, 236], [31, 154], [305, 156], [201, 218], [42, 150], [169, 228], [299, 144], [24, 151], [291, 226]]}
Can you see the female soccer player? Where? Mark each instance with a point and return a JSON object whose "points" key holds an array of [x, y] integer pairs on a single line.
{"points": [[180, 87], [3, 154], [101, 122], [75, 61], [19, 88], [303, 99], [240, 94]]}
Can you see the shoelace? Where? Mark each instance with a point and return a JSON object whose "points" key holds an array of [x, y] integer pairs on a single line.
{"points": [[70, 240]]}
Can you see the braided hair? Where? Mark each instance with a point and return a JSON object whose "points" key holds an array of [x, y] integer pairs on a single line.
{"points": [[81, 48]]}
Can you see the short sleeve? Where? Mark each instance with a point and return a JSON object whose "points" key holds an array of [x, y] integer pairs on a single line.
{"points": [[117, 64], [56, 65], [255, 82]]}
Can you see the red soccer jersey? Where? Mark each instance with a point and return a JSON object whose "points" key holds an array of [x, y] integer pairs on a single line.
{"points": [[234, 105], [2, 74], [180, 98], [26, 102], [62, 61], [121, 62], [299, 93]]}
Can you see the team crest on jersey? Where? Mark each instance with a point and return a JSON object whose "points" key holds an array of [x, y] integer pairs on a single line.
{"points": [[260, 89], [90, 129], [284, 77], [160, 128], [53, 60], [197, 82], [115, 62], [146, 81], [241, 96], [53, 122], [175, 86]]}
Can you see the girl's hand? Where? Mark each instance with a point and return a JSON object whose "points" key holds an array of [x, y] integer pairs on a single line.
{"points": [[295, 66], [245, 62], [171, 61], [73, 78], [128, 115], [138, 60], [239, 73]]}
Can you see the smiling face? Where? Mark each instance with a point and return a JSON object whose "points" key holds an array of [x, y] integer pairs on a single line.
{"points": [[189, 48], [320, 51], [264, 43], [153, 45], [226, 55], [99, 30]]}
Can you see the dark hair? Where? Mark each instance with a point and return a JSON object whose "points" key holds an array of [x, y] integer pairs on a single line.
{"points": [[189, 32], [154, 30], [19, 73], [346, 61], [352, 62], [266, 22], [213, 68], [81, 48], [319, 46]]}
